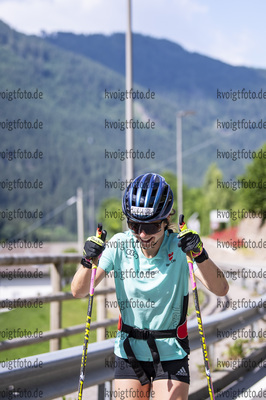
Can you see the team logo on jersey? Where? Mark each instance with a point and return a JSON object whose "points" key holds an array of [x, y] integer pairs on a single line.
{"points": [[130, 253], [171, 258]]}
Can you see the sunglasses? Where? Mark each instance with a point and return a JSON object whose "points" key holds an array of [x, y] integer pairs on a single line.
{"points": [[148, 228]]}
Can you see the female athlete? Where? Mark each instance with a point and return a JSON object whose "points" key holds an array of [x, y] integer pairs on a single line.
{"points": [[151, 278]]}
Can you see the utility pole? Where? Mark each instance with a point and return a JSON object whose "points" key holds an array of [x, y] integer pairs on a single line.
{"points": [[179, 154], [80, 220], [129, 101]]}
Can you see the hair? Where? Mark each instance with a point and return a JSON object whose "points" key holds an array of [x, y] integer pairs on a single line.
{"points": [[172, 226]]}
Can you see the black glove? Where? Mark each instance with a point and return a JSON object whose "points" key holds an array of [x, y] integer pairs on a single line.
{"points": [[94, 246], [191, 242]]}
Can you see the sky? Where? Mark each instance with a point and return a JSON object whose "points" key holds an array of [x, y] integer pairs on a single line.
{"points": [[232, 31]]}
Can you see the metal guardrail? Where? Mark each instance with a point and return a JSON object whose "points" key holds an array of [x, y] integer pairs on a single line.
{"points": [[246, 274], [59, 372], [228, 321]]}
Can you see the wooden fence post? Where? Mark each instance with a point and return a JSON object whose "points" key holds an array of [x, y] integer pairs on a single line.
{"points": [[56, 306]]}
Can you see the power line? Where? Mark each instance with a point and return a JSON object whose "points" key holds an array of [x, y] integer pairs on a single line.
{"points": [[47, 218]]}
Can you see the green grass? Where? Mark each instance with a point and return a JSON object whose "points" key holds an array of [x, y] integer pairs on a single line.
{"points": [[236, 350], [73, 313]]}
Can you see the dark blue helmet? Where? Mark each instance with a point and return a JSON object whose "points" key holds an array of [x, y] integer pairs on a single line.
{"points": [[148, 198]]}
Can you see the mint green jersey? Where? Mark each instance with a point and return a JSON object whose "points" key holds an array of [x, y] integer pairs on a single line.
{"points": [[150, 291]]}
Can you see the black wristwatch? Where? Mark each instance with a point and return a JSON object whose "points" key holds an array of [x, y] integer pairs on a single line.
{"points": [[86, 262], [202, 257]]}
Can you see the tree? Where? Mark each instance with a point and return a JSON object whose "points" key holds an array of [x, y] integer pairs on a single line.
{"points": [[214, 197], [111, 216], [254, 197], [192, 197]]}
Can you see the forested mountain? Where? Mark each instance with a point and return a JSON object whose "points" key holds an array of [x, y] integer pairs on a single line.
{"points": [[74, 72], [163, 65]]}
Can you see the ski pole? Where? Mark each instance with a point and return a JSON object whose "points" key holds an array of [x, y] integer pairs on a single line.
{"points": [[100, 234], [182, 227]]}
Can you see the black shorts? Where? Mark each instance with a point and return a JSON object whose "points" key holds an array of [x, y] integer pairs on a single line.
{"points": [[175, 369]]}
